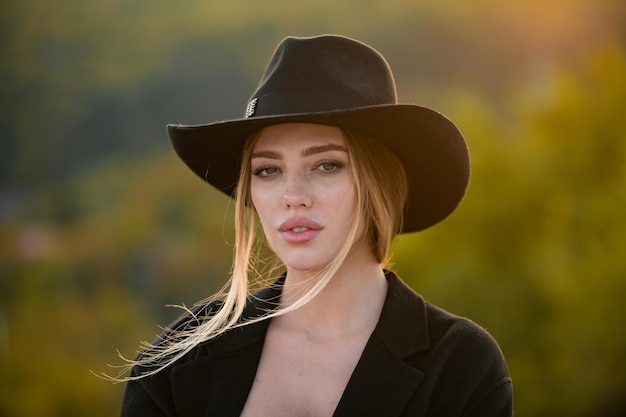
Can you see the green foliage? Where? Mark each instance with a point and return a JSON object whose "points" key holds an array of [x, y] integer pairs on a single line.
{"points": [[535, 252], [141, 233]]}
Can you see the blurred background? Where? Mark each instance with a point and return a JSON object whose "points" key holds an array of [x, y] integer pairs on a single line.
{"points": [[101, 226]]}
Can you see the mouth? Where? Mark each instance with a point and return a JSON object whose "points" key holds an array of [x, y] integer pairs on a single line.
{"points": [[299, 230], [299, 224]]}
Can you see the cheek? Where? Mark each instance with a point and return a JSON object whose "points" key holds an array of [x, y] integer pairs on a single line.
{"points": [[264, 205], [340, 201], [258, 190]]}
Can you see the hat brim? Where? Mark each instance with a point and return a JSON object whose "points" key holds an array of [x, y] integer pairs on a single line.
{"points": [[429, 145]]}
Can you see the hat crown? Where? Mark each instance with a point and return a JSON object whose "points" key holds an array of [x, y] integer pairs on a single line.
{"points": [[321, 74]]}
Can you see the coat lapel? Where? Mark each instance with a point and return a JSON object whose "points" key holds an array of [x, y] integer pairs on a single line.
{"points": [[382, 382], [223, 373]]}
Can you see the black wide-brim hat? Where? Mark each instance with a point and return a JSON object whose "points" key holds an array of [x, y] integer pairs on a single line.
{"points": [[337, 81]]}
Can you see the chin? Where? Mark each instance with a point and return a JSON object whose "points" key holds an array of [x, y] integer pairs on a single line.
{"points": [[305, 267], [299, 264]]}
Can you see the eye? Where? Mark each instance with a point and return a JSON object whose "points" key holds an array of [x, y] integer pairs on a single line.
{"points": [[330, 166], [265, 171]]}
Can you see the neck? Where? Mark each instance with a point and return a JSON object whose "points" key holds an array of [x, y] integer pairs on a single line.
{"points": [[350, 303]]}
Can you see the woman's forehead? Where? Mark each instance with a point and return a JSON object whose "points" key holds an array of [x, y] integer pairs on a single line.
{"points": [[291, 136]]}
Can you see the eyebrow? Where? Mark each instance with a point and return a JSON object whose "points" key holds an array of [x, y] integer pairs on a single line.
{"points": [[313, 150]]}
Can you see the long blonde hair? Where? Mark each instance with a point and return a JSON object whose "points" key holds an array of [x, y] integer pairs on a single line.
{"points": [[380, 192]]}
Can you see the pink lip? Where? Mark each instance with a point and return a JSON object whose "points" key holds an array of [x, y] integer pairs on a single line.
{"points": [[299, 230]]}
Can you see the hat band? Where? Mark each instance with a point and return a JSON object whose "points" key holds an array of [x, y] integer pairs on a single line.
{"points": [[299, 102]]}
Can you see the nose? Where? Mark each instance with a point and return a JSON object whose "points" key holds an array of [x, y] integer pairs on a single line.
{"points": [[296, 193]]}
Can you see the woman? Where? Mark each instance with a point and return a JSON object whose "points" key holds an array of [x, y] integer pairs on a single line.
{"points": [[332, 168]]}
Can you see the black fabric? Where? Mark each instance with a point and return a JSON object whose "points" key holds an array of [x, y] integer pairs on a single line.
{"points": [[329, 72], [419, 361]]}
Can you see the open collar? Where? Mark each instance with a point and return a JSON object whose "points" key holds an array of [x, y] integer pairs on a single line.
{"points": [[383, 382], [224, 369]]}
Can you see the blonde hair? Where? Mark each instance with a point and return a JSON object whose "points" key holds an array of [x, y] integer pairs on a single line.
{"points": [[381, 190]]}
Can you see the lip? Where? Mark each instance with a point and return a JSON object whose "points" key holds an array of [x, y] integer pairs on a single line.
{"points": [[299, 230]]}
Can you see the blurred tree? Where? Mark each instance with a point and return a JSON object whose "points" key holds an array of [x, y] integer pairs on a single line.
{"points": [[534, 253]]}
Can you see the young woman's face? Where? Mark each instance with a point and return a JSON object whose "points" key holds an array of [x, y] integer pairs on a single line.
{"points": [[303, 192]]}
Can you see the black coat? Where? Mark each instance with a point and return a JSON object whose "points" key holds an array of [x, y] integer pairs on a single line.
{"points": [[419, 361]]}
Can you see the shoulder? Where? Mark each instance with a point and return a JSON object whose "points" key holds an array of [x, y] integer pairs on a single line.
{"points": [[445, 326], [461, 362], [433, 328], [190, 332], [465, 362], [185, 324], [462, 341], [173, 340]]}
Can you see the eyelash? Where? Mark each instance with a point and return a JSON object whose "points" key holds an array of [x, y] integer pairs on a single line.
{"points": [[258, 172], [336, 165]]}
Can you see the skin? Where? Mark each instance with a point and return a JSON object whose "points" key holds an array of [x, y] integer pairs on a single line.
{"points": [[302, 190]]}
